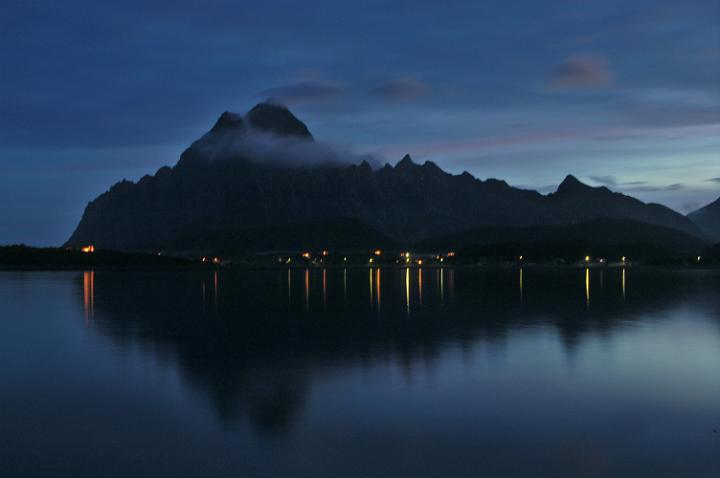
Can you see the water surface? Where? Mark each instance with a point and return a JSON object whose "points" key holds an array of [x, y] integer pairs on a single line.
{"points": [[360, 372]]}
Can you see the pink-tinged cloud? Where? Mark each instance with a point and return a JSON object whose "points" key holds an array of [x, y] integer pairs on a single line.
{"points": [[402, 89], [480, 144], [586, 71], [544, 137]]}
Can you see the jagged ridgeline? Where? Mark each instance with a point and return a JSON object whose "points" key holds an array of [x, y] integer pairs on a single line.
{"points": [[261, 182]]}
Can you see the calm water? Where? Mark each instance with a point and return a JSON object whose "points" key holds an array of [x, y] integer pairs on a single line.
{"points": [[356, 373]]}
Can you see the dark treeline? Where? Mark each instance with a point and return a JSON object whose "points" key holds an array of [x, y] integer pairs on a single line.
{"points": [[22, 256]]}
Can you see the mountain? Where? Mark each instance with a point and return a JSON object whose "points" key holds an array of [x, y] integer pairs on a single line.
{"points": [[707, 218], [332, 233], [713, 253], [598, 232], [264, 175]]}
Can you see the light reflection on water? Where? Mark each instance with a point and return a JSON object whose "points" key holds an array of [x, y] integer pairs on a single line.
{"points": [[356, 372], [412, 284], [520, 272], [587, 287], [89, 295]]}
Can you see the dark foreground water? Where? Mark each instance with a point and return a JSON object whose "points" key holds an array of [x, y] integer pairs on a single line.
{"points": [[353, 373]]}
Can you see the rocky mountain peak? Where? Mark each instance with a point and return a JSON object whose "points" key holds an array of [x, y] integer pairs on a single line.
{"points": [[227, 121], [572, 185], [276, 119]]}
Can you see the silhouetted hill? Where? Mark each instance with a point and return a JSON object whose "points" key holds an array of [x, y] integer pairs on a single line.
{"points": [[598, 232], [264, 172], [713, 253], [333, 234], [707, 219], [21, 256]]}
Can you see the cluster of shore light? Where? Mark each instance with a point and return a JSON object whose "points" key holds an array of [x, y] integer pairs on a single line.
{"points": [[376, 255], [410, 258], [405, 257]]}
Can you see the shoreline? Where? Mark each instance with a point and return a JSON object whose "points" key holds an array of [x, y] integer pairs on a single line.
{"points": [[231, 267]]}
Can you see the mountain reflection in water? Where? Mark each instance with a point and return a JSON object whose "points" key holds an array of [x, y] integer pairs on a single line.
{"points": [[252, 341], [360, 372]]}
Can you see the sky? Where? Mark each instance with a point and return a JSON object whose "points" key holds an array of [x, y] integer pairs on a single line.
{"points": [[622, 94]]}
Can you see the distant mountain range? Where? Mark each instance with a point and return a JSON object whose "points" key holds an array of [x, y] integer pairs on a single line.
{"points": [[261, 183], [708, 219]]}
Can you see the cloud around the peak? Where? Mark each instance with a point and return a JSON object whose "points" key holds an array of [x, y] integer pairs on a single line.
{"points": [[265, 147]]}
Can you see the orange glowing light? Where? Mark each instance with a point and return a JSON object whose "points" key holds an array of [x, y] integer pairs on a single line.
{"points": [[88, 249], [419, 262], [306, 255], [378, 252], [216, 260], [325, 253], [451, 254]]}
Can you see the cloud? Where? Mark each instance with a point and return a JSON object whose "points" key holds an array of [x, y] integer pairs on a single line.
{"points": [[303, 91], [690, 206], [605, 180], [713, 180], [402, 89], [586, 71], [260, 146], [652, 189]]}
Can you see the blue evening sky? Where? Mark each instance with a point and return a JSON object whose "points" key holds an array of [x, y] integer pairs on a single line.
{"points": [[621, 93]]}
